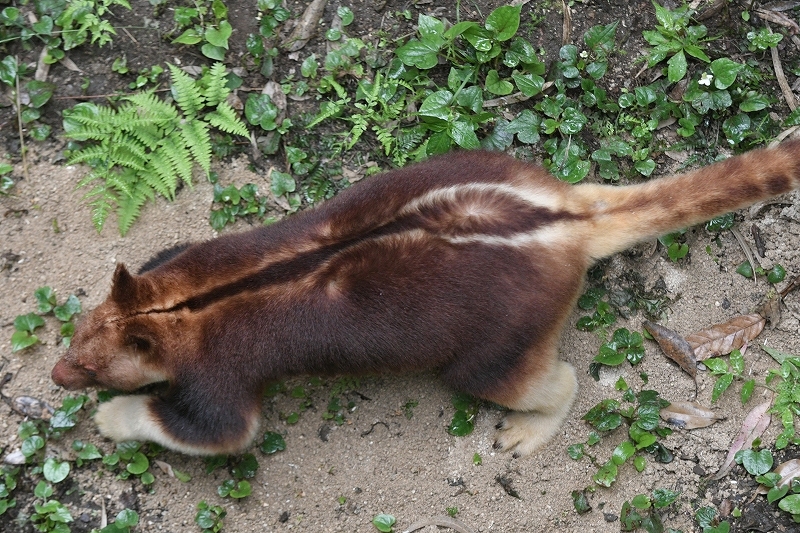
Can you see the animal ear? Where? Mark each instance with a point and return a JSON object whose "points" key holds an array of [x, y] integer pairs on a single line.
{"points": [[123, 286]]}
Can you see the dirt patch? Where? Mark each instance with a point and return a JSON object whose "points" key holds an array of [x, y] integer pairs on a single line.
{"points": [[392, 454]]}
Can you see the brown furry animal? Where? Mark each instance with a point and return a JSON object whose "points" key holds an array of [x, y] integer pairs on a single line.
{"points": [[468, 263]]}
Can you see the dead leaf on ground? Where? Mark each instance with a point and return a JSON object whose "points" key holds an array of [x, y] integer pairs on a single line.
{"points": [[32, 407], [789, 471], [722, 339], [753, 426], [306, 26], [674, 346], [689, 415]]}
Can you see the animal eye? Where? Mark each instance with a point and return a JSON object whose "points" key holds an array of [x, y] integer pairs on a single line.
{"points": [[140, 344], [91, 373]]}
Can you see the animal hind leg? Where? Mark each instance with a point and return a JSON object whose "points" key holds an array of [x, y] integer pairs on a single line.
{"points": [[538, 411]]}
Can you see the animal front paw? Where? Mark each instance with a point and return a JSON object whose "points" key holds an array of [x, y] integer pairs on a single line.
{"points": [[125, 418]]}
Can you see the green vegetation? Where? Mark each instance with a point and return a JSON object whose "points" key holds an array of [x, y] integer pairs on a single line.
{"points": [[25, 325], [147, 146], [640, 413]]}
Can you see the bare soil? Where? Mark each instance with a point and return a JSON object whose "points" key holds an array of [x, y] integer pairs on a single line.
{"points": [[380, 460]]}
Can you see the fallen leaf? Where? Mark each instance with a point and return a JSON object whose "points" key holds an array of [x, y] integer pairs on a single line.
{"points": [[789, 471], [722, 339], [306, 26], [753, 426], [32, 407], [165, 467], [689, 415], [674, 346], [42, 67]]}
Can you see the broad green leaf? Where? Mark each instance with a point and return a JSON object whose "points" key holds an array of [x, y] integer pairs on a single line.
{"points": [[70, 308], [791, 504], [623, 452], [437, 105], [9, 69], [190, 37], [756, 462], [21, 340], [55, 471], [419, 54], [261, 111], [607, 475], [676, 67], [213, 52], [725, 71], [384, 523], [28, 322], [281, 183], [272, 443], [498, 86], [219, 37], [720, 386], [138, 464], [464, 136], [528, 84], [39, 92], [504, 22]]}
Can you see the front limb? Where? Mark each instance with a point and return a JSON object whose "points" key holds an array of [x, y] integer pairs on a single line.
{"points": [[151, 418]]}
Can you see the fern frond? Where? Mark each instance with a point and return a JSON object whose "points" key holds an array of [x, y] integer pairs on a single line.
{"points": [[121, 182], [179, 156], [224, 118], [195, 136], [90, 177], [327, 110], [88, 121], [385, 137], [217, 89], [94, 156], [102, 201], [160, 175], [130, 207], [186, 93], [146, 108], [129, 154], [359, 127]]}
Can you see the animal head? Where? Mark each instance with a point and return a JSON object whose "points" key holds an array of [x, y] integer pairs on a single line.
{"points": [[114, 346]]}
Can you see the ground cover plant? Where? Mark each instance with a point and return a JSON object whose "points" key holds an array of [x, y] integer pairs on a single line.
{"points": [[425, 83]]}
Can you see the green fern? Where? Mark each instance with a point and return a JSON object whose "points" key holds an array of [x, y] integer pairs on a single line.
{"points": [[147, 146]]}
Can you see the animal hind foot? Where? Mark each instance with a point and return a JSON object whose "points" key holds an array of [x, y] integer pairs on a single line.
{"points": [[522, 433]]}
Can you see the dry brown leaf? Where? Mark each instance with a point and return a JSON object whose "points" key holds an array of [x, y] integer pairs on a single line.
{"points": [[753, 426], [165, 467], [789, 471], [306, 26], [722, 339], [689, 415], [674, 346], [32, 407]]}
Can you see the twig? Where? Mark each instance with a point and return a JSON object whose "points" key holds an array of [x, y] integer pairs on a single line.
{"points": [[566, 28], [794, 285], [788, 95], [19, 126], [747, 251], [440, 521]]}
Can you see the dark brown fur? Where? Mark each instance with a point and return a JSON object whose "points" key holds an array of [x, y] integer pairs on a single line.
{"points": [[468, 263]]}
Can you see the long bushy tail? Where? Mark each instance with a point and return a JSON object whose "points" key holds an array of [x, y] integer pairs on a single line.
{"points": [[623, 216]]}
